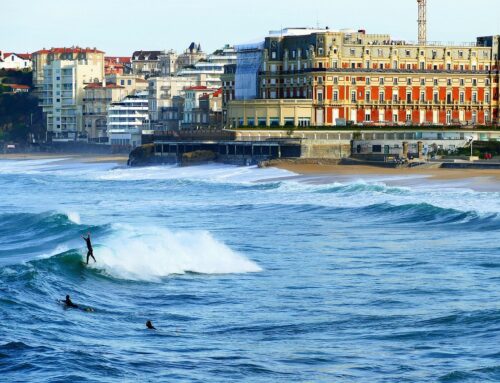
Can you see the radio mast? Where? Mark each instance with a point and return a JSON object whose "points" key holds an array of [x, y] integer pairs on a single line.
{"points": [[422, 22]]}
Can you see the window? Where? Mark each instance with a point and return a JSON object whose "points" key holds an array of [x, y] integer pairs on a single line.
{"points": [[474, 97], [380, 52], [381, 81], [129, 82], [353, 52], [422, 65], [435, 82], [408, 81], [395, 95], [408, 116], [448, 117], [335, 80], [381, 96], [474, 116], [353, 96], [487, 98], [487, 82], [368, 96], [353, 80], [368, 81], [462, 97], [422, 96], [335, 96], [449, 99], [408, 53], [436, 97], [461, 54], [335, 64], [474, 82], [487, 116], [448, 66], [395, 81], [367, 117], [462, 82], [273, 55], [422, 81], [408, 97], [395, 118]]}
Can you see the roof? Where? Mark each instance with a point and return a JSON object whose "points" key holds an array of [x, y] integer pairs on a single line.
{"points": [[98, 85], [68, 50], [18, 86], [118, 59], [24, 56], [146, 55], [197, 88]]}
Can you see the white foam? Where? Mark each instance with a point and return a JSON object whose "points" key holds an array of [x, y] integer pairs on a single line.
{"points": [[74, 217], [149, 254], [216, 173]]}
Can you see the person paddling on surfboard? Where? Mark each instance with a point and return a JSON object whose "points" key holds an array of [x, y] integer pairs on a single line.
{"points": [[69, 303], [90, 252]]}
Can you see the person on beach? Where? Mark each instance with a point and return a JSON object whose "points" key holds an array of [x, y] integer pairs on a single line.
{"points": [[69, 303], [150, 326], [90, 252]]}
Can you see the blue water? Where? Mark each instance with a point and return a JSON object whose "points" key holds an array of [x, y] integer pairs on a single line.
{"points": [[249, 275]]}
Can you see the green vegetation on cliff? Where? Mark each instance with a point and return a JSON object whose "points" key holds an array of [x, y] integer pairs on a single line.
{"points": [[20, 115]]}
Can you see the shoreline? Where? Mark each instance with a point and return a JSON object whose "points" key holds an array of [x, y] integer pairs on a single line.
{"points": [[85, 157], [480, 180]]}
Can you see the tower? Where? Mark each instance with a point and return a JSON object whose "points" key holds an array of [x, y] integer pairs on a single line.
{"points": [[422, 21]]}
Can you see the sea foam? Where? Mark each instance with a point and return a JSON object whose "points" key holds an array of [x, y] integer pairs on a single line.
{"points": [[149, 254]]}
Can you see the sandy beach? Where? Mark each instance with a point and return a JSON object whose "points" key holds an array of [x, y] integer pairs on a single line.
{"points": [[473, 179], [89, 158]]}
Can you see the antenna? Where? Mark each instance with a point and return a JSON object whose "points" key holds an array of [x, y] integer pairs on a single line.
{"points": [[422, 22]]}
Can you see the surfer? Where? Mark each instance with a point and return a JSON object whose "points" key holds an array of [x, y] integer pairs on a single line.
{"points": [[69, 303], [90, 252], [150, 326]]}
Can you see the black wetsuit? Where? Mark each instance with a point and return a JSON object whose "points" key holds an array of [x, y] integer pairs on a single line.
{"points": [[68, 303], [90, 252]]}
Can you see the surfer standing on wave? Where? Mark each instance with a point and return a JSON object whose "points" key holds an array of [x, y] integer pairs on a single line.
{"points": [[90, 252]]}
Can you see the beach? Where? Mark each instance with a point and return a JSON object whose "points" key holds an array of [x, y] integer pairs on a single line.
{"points": [[87, 158]]}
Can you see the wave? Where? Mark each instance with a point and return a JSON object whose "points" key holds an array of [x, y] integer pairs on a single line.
{"points": [[149, 254], [142, 254]]}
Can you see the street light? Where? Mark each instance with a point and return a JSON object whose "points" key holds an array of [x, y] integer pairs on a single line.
{"points": [[471, 141]]}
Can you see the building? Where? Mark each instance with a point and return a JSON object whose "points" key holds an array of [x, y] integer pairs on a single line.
{"points": [[18, 88], [161, 94], [60, 76], [368, 79], [130, 82], [15, 61], [126, 121], [192, 111], [117, 65], [191, 56], [146, 63], [98, 96]]}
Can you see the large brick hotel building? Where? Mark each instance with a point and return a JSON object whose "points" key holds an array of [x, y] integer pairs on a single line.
{"points": [[324, 77]]}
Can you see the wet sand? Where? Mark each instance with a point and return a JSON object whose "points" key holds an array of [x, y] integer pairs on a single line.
{"points": [[89, 158], [475, 179]]}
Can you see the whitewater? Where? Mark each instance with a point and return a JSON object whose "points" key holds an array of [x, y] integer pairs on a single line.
{"points": [[254, 275]]}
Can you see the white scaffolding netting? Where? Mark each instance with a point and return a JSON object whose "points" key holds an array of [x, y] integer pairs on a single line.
{"points": [[249, 60]]}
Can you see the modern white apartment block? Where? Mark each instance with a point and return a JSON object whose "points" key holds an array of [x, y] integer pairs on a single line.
{"points": [[127, 119], [65, 72]]}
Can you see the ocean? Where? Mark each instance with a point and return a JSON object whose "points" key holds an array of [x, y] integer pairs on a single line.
{"points": [[248, 274]]}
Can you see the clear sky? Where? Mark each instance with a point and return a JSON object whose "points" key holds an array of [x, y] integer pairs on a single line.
{"points": [[121, 26]]}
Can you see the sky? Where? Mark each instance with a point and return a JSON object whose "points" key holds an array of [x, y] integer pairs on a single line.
{"points": [[120, 27]]}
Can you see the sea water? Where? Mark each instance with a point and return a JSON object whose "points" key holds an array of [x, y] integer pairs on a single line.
{"points": [[249, 275]]}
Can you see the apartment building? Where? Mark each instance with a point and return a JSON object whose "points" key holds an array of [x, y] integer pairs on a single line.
{"points": [[126, 120], [97, 98], [60, 76], [199, 102], [325, 77]]}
